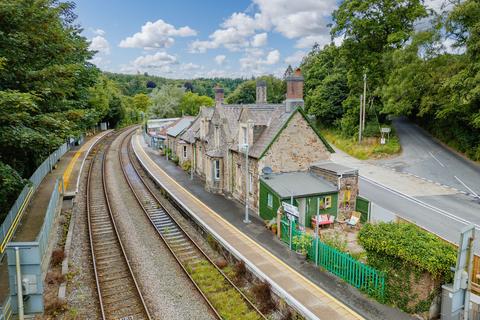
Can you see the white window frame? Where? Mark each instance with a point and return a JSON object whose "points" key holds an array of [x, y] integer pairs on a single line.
{"points": [[270, 200], [216, 169], [327, 201], [184, 152]]}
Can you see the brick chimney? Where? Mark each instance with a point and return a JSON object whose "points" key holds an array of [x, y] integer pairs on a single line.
{"points": [[295, 85], [294, 81], [261, 92], [219, 94]]}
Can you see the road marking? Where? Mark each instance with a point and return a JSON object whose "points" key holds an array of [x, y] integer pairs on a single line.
{"points": [[419, 202], [473, 192], [309, 283], [436, 159]]}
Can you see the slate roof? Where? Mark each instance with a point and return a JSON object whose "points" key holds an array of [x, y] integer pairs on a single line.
{"points": [[298, 184], [335, 168], [180, 126]]}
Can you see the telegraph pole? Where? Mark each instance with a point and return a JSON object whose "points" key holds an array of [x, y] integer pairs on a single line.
{"points": [[360, 121], [364, 99]]}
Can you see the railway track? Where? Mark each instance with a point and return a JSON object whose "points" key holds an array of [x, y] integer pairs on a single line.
{"points": [[187, 253], [118, 292]]}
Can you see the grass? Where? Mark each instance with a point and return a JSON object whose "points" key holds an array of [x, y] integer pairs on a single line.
{"points": [[226, 300], [370, 148]]}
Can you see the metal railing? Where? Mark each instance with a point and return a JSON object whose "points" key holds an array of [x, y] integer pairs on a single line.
{"points": [[44, 233], [10, 223], [6, 311]]}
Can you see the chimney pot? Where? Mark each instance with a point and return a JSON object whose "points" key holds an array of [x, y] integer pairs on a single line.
{"points": [[294, 85]]}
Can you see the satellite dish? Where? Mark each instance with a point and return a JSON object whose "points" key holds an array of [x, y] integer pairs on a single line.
{"points": [[267, 171]]}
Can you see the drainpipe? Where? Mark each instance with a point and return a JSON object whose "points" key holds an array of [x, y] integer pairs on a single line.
{"points": [[192, 162], [19, 284]]}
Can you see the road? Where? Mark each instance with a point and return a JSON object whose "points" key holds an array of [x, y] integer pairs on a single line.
{"points": [[424, 157]]}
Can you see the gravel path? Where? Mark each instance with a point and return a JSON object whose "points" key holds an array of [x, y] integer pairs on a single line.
{"points": [[166, 289]]}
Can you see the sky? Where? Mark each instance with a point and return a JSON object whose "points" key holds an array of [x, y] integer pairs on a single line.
{"points": [[208, 38]]}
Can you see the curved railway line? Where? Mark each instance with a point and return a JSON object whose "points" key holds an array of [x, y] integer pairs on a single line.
{"points": [[118, 292], [184, 249]]}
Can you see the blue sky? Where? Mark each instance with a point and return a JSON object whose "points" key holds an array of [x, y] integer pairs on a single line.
{"points": [[189, 39]]}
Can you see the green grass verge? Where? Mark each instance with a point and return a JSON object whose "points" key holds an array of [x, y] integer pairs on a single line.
{"points": [[228, 301], [370, 148]]}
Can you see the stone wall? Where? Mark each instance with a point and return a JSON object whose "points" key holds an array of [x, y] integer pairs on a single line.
{"points": [[297, 147], [348, 184], [238, 162]]}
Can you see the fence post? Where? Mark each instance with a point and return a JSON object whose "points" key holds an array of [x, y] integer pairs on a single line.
{"points": [[291, 232]]}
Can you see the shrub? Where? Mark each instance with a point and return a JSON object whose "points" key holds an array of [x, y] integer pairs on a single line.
{"points": [[335, 240], [175, 159], [57, 256], [54, 277], [186, 165], [240, 270], [263, 296], [408, 242], [302, 242], [221, 263], [55, 307]]}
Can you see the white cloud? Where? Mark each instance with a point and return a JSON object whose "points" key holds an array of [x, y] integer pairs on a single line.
{"points": [[99, 32], [255, 60], [295, 58], [259, 40], [220, 59], [100, 44], [233, 33], [309, 41], [158, 34], [190, 66], [273, 57]]}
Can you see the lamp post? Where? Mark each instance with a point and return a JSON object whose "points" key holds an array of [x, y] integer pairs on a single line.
{"points": [[247, 182]]}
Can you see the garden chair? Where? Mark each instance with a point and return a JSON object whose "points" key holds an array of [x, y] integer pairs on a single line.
{"points": [[353, 221]]}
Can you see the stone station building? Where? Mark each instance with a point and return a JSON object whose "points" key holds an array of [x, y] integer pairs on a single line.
{"points": [[278, 136]]}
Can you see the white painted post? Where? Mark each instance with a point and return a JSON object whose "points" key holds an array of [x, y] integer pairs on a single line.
{"points": [[317, 230], [247, 182], [19, 284]]}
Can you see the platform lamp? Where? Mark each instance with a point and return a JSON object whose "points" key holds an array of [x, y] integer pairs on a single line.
{"points": [[245, 146]]}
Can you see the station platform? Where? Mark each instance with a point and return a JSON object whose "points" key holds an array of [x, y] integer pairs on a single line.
{"points": [[69, 168], [318, 294]]}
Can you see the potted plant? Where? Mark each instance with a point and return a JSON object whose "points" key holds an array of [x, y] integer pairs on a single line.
{"points": [[302, 242]]}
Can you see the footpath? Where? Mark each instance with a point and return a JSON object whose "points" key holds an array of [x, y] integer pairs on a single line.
{"points": [[323, 295], [68, 168]]}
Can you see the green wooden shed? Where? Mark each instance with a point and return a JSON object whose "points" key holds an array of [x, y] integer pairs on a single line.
{"points": [[305, 190]]}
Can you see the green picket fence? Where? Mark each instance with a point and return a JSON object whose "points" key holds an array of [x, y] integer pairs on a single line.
{"points": [[349, 269], [339, 263]]}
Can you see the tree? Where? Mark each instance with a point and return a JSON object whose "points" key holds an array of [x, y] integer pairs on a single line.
{"points": [[191, 103], [246, 92], [165, 102], [141, 102]]}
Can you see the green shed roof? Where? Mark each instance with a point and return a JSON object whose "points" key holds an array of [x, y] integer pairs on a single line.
{"points": [[297, 184]]}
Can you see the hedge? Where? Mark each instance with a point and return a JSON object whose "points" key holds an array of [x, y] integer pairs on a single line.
{"points": [[411, 244]]}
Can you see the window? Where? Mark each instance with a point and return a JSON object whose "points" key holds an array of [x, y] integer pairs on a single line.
{"points": [[269, 200], [216, 169], [250, 183], [238, 176], [184, 152], [245, 135], [328, 202]]}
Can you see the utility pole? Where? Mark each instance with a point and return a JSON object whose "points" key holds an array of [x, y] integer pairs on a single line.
{"points": [[360, 121], [364, 99]]}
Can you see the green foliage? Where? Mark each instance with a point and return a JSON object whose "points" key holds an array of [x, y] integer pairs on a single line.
{"points": [[11, 183], [246, 92], [186, 165], [335, 240], [165, 101], [302, 242], [141, 102], [191, 103], [409, 243]]}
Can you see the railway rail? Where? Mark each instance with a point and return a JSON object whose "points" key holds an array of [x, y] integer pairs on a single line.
{"points": [[184, 249], [118, 292]]}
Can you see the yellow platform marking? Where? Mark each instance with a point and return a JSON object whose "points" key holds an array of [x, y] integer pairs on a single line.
{"points": [[247, 238]]}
